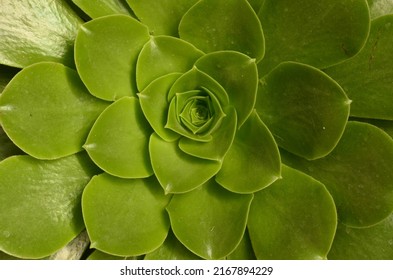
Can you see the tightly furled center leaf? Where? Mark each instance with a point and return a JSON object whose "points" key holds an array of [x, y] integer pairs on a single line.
{"points": [[197, 111]]}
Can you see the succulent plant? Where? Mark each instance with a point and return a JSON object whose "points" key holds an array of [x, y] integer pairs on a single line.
{"points": [[188, 129]]}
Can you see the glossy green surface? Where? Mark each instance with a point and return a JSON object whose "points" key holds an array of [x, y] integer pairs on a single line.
{"points": [[294, 218], [213, 227], [127, 155], [100, 8], [122, 203], [306, 119], [52, 119], [367, 77], [40, 208], [107, 74], [319, 33], [357, 174], [35, 30], [224, 26]]}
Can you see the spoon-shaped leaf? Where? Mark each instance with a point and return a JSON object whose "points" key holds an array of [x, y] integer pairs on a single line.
{"points": [[367, 77], [164, 55], [47, 111], [237, 74], [162, 17], [371, 243], [319, 33], [118, 142], [40, 208], [110, 74], [177, 171], [37, 30], [210, 221], [304, 109], [253, 161], [125, 217], [358, 173], [155, 105], [215, 25], [102, 8], [294, 218]]}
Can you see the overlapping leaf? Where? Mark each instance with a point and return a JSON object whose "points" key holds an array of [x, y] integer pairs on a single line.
{"points": [[47, 111], [131, 220], [294, 218], [40, 208], [358, 174]]}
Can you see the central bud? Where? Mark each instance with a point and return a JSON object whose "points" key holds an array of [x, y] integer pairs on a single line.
{"points": [[197, 113]]}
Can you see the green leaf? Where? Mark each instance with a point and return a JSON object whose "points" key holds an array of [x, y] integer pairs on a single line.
{"points": [[40, 208], [358, 174], [110, 74], [253, 161], [304, 109], [380, 7], [237, 74], [318, 33], [154, 104], [172, 249], [215, 25], [371, 243], [119, 140], [47, 111], [195, 79], [256, 4], [367, 77], [162, 17], [164, 55], [210, 221], [37, 30], [131, 220], [244, 250], [177, 171], [294, 218], [218, 146], [100, 8]]}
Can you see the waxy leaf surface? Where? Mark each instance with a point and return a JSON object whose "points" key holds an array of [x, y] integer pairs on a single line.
{"points": [[358, 173], [164, 55], [370, 243], [37, 30], [119, 140], [177, 171], [318, 33], [154, 104], [237, 74], [162, 17], [367, 77], [40, 208], [110, 74], [210, 221], [47, 111], [253, 161], [305, 110], [294, 218], [125, 217], [215, 25]]}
